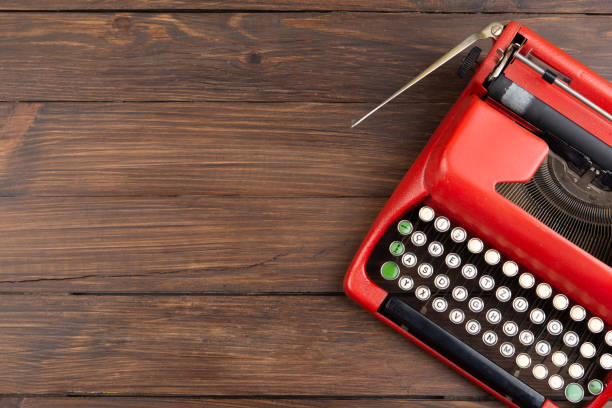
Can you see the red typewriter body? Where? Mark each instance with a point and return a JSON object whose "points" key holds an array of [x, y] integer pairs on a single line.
{"points": [[480, 146]]}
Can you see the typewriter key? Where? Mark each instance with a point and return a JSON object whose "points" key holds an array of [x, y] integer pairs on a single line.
{"points": [[596, 325], [507, 349], [453, 260], [520, 304], [442, 224], [426, 214], [439, 305], [423, 293], [526, 280], [405, 283], [489, 338], [425, 270], [571, 339], [576, 371], [404, 227], [556, 382], [460, 293], [609, 338], [560, 302], [409, 260], [523, 360], [544, 291], [606, 361], [510, 328], [492, 257], [554, 327], [389, 270], [559, 358], [542, 347], [458, 235], [540, 371], [537, 316], [418, 238], [510, 268], [469, 271], [457, 316], [486, 282], [435, 249], [476, 305], [595, 387], [526, 338], [493, 316], [503, 294], [396, 248], [442, 282], [472, 327], [475, 245], [577, 313], [587, 350], [574, 393]]}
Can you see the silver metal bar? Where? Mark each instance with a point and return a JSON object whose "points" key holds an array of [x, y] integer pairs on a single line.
{"points": [[492, 30], [564, 86]]}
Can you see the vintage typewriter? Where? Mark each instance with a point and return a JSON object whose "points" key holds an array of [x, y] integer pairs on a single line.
{"points": [[494, 253]]}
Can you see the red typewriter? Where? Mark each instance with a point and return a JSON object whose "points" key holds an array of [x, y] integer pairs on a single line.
{"points": [[494, 253]]}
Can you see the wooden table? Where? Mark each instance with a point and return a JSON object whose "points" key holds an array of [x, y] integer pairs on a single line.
{"points": [[181, 194]]}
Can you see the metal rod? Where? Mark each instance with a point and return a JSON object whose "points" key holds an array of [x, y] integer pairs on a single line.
{"points": [[564, 86]]}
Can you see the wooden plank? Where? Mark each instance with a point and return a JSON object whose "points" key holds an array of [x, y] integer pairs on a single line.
{"points": [[549, 6], [107, 402], [202, 345], [354, 57], [209, 148], [180, 244]]}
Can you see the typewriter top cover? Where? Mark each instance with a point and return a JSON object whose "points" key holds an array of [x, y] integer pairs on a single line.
{"points": [[494, 253]]}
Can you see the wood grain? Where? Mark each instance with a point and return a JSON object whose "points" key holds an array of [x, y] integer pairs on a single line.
{"points": [[224, 345], [470, 6], [122, 149], [180, 244], [357, 57]]}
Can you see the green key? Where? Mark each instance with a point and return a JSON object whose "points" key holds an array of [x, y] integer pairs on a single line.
{"points": [[396, 248], [595, 387], [574, 393], [389, 270], [404, 227]]}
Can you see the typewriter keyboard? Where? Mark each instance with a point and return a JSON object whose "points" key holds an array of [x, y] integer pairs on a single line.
{"points": [[472, 293]]}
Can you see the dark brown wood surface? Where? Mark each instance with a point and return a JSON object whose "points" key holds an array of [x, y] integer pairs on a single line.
{"points": [[180, 194]]}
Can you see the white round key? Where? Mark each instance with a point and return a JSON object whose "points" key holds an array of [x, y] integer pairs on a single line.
{"points": [[405, 283], [493, 316], [456, 316], [409, 260], [426, 213], [544, 291], [503, 294], [526, 337], [510, 268], [571, 339], [577, 313], [596, 325], [439, 304], [460, 293], [492, 257], [458, 235], [442, 224], [526, 280], [422, 292], [475, 245], [542, 347], [435, 249], [576, 371], [476, 304], [489, 338], [425, 270], [560, 302], [453, 260], [587, 350], [418, 238], [486, 282], [540, 371], [507, 349], [469, 271], [537, 316], [556, 382], [510, 328], [520, 304], [523, 360], [554, 327], [559, 358], [609, 338], [472, 327], [606, 361], [442, 281]]}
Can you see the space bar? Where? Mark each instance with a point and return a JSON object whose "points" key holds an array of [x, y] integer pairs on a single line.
{"points": [[460, 353]]}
